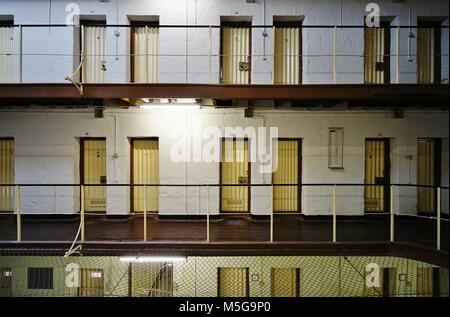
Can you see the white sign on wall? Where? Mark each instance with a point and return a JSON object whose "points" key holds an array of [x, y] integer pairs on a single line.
{"points": [[336, 148]]}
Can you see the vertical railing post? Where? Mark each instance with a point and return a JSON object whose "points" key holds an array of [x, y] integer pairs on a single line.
{"points": [[145, 212], [334, 54], [398, 55], [271, 213], [210, 55], [207, 213], [82, 211], [392, 214], [146, 56], [19, 217], [20, 54], [334, 213], [83, 53], [438, 219]]}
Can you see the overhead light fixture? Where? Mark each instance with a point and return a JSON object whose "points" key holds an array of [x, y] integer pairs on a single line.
{"points": [[152, 259]]}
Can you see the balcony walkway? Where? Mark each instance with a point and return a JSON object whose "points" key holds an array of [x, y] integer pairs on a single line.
{"points": [[232, 228]]}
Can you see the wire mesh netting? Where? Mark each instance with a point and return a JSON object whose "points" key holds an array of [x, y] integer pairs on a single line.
{"points": [[254, 276]]}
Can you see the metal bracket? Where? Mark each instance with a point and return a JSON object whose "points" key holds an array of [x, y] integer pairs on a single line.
{"points": [[71, 78]]}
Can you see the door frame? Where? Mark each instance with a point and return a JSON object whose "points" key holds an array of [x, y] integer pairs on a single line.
{"points": [[249, 187], [386, 26], [292, 24], [437, 48], [299, 176], [134, 25], [237, 24], [81, 172], [387, 176], [87, 22], [131, 140], [437, 175]]}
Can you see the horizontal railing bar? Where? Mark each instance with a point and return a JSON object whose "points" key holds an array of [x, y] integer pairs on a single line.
{"points": [[216, 55], [202, 26], [222, 185]]}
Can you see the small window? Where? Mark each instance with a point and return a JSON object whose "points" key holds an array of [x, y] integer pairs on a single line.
{"points": [[40, 278]]}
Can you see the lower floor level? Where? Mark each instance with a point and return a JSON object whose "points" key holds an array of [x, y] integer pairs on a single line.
{"points": [[223, 276]]}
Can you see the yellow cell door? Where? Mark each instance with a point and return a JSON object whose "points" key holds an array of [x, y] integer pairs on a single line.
{"points": [[94, 172], [145, 54], [287, 198], [94, 60], [287, 59], [234, 170], [6, 54], [428, 160], [377, 171], [285, 282], [233, 282], [6, 174], [236, 55], [428, 53], [376, 55], [92, 283], [145, 170], [424, 283]]}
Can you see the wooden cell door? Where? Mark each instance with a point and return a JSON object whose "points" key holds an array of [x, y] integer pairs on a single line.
{"points": [[428, 173], [145, 170], [288, 171], [377, 172], [233, 282], [234, 170], [93, 172]]}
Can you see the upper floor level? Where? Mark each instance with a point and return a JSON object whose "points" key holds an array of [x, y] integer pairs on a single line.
{"points": [[223, 42]]}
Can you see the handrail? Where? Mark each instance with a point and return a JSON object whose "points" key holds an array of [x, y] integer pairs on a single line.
{"points": [[216, 26], [223, 185]]}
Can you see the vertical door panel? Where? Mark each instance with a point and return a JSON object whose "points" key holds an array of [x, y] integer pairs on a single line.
{"points": [[146, 54], [145, 171], [376, 172], [94, 173], [235, 54], [94, 62], [6, 175], [233, 282], [287, 58], [234, 170], [286, 198], [6, 57], [285, 282]]}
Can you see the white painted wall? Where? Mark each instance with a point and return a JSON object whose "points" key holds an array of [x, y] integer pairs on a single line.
{"points": [[47, 151], [59, 42]]}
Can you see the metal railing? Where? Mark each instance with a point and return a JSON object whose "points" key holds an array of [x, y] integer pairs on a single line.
{"points": [[50, 57], [207, 213]]}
